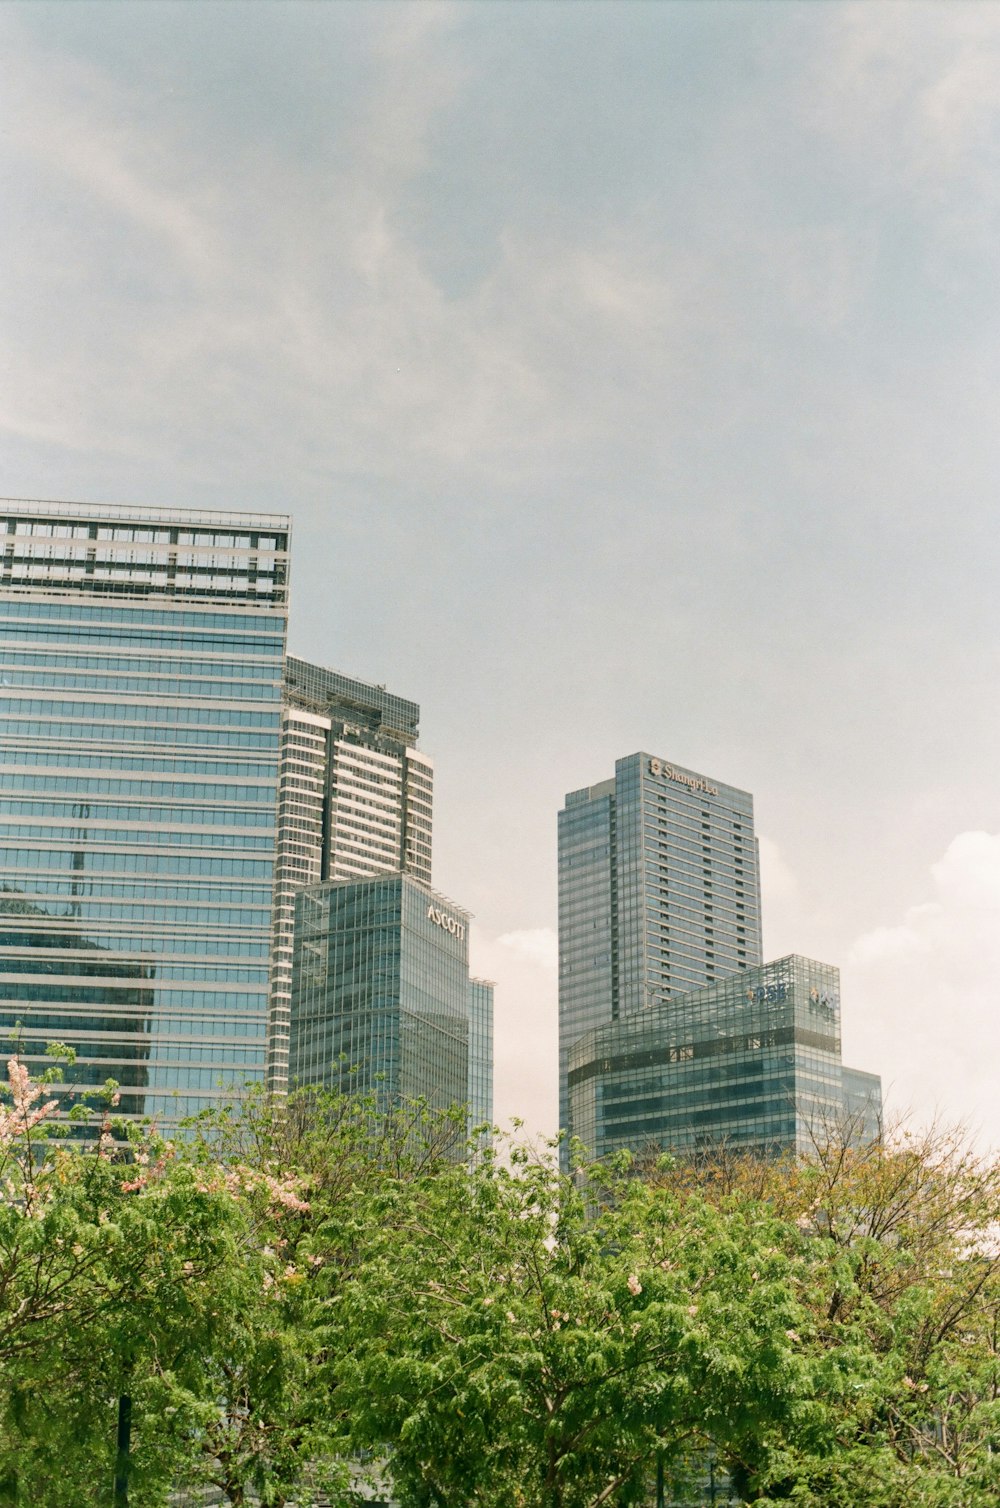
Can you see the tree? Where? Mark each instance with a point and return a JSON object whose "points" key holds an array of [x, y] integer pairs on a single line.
{"points": [[308, 1172], [109, 1265], [899, 1261], [520, 1342], [296, 1286]]}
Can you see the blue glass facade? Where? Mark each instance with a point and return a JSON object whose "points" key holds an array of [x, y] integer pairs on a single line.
{"points": [[140, 695], [380, 991], [480, 1053], [862, 1093], [659, 894], [751, 1062]]}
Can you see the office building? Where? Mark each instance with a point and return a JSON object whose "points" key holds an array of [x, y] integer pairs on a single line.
{"points": [[141, 654], [382, 1001], [751, 1062], [355, 800], [480, 1091], [659, 895], [862, 1100]]}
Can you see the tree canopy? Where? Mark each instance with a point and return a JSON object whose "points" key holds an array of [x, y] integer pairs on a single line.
{"points": [[312, 1302]]}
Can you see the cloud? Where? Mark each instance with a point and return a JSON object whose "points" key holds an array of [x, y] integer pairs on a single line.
{"points": [[77, 127], [777, 882], [282, 313], [525, 1024], [922, 996], [537, 944], [916, 88]]}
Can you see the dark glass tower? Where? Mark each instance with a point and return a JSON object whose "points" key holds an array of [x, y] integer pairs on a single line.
{"points": [[141, 657], [659, 894]]}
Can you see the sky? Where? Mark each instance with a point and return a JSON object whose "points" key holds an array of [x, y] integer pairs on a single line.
{"points": [[631, 374]]}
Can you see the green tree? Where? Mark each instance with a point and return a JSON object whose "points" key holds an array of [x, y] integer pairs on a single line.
{"points": [[519, 1342], [110, 1263], [309, 1173], [898, 1261]]}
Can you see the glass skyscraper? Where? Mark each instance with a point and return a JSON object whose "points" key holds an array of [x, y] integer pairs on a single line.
{"points": [[480, 1091], [659, 894], [381, 995], [673, 1032], [751, 1062], [141, 656]]}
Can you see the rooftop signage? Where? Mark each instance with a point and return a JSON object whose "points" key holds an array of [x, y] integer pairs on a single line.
{"points": [[693, 782], [449, 923]]}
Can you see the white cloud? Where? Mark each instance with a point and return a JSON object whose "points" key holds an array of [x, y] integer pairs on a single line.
{"points": [[76, 127], [525, 1024], [777, 881], [922, 997], [537, 944], [916, 88], [283, 315]]}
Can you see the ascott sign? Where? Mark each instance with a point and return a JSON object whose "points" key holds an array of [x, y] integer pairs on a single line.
{"points": [[449, 923], [693, 782]]}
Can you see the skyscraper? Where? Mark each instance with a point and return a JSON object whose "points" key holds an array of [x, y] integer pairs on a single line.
{"points": [[751, 1062], [659, 894], [355, 800], [141, 654], [480, 1091], [672, 1030], [381, 991]]}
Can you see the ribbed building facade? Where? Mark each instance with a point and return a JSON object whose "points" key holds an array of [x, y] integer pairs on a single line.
{"points": [[141, 655], [356, 799], [480, 1089]]}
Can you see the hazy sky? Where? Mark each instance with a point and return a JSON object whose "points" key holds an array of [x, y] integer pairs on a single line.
{"points": [[631, 372]]}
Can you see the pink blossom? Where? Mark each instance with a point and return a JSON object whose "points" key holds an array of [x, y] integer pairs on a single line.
{"points": [[24, 1093], [286, 1196]]}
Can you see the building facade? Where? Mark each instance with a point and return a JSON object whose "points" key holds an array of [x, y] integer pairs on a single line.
{"points": [[381, 993], [480, 1090], [141, 655], [659, 895], [862, 1104], [355, 800], [751, 1063]]}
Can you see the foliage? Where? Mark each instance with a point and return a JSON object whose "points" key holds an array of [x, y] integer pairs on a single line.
{"points": [[899, 1249], [295, 1287], [306, 1171]]}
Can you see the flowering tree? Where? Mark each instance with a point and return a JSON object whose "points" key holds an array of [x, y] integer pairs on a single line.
{"points": [[310, 1175], [292, 1286], [110, 1256]]}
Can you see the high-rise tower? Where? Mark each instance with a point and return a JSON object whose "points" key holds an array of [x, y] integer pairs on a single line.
{"points": [[659, 894], [141, 654], [751, 1062], [672, 1030], [382, 1000], [355, 801]]}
